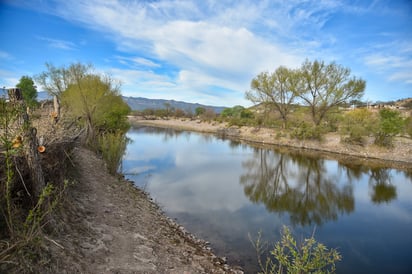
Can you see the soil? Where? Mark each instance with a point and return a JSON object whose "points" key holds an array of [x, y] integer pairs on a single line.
{"points": [[109, 226]]}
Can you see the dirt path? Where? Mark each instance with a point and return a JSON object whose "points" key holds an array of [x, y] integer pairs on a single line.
{"points": [[112, 227]]}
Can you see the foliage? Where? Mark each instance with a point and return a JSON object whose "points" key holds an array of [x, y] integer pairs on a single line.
{"points": [[391, 123], [408, 126], [238, 116], [357, 124], [199, 111], [291, 257], [23, 217], [276, 90], [26, 85], [307, 132], [324, 86], [112, 147], [55, 80], [96, 101], [208, 115]]}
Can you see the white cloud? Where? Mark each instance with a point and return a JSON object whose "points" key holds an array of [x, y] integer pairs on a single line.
{"points": [[392, 60], [182, 49], [137, 62]]}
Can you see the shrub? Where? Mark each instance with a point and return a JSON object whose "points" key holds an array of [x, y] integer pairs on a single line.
{"points": [[356, 125], [112, 147], [287, 256], [307, 132], [390, 124], [408, 126]]}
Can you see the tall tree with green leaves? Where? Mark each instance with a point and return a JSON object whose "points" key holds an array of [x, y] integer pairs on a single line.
{"points": [[275, 90], [56, 80], [28, 89], [96, 100], [325, 86]]}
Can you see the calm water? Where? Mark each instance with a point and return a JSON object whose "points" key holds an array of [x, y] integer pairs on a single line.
{"points": [[223, 191]]}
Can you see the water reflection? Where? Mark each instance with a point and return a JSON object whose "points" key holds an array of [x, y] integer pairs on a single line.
{"points": [[364, 211], [382, 191], [380, 181], [300, 186]]}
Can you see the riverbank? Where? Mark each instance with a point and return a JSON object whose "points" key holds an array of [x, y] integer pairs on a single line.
{"points": [[109, 226], [103, 223], [330, 147]]}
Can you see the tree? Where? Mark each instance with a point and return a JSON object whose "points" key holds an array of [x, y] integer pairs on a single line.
{"points": [[325, 86], [56, 80], [26, 85], [199, 111], [276, 90], [97, 102]]}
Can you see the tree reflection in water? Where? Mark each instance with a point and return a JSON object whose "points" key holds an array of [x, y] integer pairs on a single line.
{"points": [[382, 189], [298, 185]]}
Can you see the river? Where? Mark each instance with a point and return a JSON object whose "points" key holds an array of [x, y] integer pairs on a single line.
{"points": [[226, 192]]}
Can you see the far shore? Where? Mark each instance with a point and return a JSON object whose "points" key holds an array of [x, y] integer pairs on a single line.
{"points": [[399, 156]]}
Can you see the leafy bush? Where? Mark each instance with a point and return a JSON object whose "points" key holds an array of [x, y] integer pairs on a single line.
{"points": [[287, 256], [357, 124], [307, 132], [390, 124], [408, 126]]}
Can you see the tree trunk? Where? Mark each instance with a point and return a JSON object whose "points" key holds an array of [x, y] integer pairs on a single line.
{"points": [[33, 161], [56, 106]]}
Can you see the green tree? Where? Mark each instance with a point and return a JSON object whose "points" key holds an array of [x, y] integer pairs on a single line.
{"points": [[325, 86], [391, 123], [97, 101], [55, 80], [26, 85], [276, 90], [199, 111]]}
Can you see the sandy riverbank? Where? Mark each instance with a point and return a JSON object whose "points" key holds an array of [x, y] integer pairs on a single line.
{"points": [[400, 156]]}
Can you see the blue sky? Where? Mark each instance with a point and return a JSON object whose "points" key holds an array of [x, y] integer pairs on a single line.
{"points": [[208, 51]]}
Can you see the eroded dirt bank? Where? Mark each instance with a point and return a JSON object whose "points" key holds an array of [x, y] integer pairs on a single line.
{"points": [[109, 226], [400, 156]]}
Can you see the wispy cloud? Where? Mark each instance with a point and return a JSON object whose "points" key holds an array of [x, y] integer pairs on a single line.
{"points": [[57, 43], [5, 55], [137, 62], [185, 48], [394, 60]]}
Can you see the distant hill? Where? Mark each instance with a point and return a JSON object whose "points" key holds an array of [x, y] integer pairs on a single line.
{"points": [[43, 95], [140, 103]]}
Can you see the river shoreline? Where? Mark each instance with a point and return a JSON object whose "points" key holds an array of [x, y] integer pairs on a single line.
{"points": [[330, 147]]}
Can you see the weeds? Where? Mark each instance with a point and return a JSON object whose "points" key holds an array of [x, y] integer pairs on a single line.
{"points": [[287, 256], [23, 217], [112, 147]]}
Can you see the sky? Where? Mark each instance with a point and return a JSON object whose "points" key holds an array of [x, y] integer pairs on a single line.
{"points": [[208, 51]]}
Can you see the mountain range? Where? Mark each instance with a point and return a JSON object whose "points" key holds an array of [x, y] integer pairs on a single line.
{"points": [[140, 103]]}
